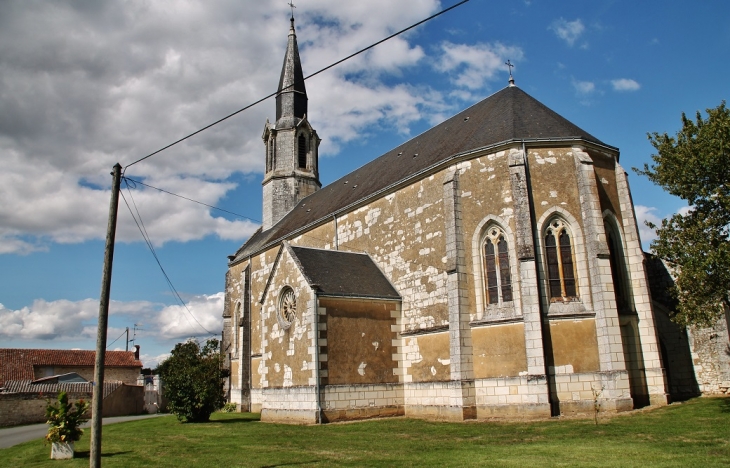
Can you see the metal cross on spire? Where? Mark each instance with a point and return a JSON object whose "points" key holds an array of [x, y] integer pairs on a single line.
{"points": [[291, 4], [510, 67]]}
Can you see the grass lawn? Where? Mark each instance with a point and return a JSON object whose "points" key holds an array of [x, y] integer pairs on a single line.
{"points": [[695, 433]]}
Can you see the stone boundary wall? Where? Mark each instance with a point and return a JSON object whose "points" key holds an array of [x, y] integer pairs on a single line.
{"points": [[30, 408]]}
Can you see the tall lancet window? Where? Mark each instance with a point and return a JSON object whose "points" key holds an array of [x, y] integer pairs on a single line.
{"points": [[559, 253], [270, 161], [302, 152], [498, 281]]}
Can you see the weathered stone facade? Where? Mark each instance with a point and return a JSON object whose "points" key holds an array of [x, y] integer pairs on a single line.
{"points": [[509, 238]]}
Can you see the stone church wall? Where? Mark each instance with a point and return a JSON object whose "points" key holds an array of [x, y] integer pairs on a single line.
{"points": [[499, 351], [605, 169], [404, 233], [288, 359], [357, 338]]}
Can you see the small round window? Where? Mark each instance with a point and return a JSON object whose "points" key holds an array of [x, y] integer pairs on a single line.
{"points": [[287, 307]]}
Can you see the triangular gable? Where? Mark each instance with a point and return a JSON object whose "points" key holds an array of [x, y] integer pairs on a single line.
{"points": [[271, 273], [342, 274]]}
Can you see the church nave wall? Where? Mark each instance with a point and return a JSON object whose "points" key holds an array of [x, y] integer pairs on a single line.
{"points": [[404, 233]]}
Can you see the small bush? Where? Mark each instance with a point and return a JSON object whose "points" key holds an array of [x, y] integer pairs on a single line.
{"points": [[229, 408], [65, 419]]}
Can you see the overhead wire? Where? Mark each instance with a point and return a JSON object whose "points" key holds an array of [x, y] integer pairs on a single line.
{"points": [[306, 234], [295, 83], [140, 225], [107, 346], [134, 182]]}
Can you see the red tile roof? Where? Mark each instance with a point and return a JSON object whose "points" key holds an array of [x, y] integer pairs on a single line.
{"points": [[17, 364]]}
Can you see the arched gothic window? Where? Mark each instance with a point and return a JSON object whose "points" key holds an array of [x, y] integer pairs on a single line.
{"points": [[618, 270], [302, 152], [560, 269], [497, 279]]}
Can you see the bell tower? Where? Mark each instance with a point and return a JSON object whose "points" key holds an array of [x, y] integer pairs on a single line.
{"points": [[291, 143]]}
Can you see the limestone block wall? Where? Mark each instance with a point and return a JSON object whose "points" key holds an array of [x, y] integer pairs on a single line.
{"points": [[346, 402], [512, 397], [439, 400], [293, 405], [288, 358], [404, 233], [711, 356]]}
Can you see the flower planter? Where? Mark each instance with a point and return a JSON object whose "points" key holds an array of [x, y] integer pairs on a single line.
{"points": [[62, 450]]}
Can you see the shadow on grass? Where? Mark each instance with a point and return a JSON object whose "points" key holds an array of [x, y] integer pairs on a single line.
{"points": [[725, 405], [86, 454], [292, 463], [232, 421]]}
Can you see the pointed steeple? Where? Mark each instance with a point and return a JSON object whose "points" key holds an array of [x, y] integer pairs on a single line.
{"points": [[292, 144], [291, 102]]}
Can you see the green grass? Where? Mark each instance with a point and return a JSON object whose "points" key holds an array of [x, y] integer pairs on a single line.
{"points": [[695, 433]]}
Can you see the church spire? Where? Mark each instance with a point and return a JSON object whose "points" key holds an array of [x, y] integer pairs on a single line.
{"points": [[291, 101], [292, 144]]}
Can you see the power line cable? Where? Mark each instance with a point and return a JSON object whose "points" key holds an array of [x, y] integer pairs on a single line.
{"points": [[296, 83], [107, 346], [143, 231], [134, 182]]}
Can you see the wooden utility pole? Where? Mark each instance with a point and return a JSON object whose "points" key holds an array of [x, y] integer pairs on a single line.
{"points": [[106, 283]]}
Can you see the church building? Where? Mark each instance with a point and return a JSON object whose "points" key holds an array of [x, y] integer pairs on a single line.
{"points": [[489, 267]]}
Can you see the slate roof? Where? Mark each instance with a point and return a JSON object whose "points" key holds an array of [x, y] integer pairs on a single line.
{"points": [[510, 115], [17, 364], [343, 274]]}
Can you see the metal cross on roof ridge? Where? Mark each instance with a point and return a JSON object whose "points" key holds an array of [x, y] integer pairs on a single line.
{"points": [[510, 66]]}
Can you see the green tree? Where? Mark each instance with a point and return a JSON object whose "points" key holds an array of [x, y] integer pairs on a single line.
{"points": [[695, 166], [191, 379]]}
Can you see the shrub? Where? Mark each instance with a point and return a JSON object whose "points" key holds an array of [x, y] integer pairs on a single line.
{"points": [[65, 419], [229, 408], [192, 381]]}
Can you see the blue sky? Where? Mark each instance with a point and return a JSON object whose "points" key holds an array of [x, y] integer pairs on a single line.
{"points": [[86, 85]]}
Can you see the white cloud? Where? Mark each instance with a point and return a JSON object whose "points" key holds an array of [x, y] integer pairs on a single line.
{"points": [[584, 87], [569, 31], [62, 319], [58, 323], [625, 84], [643, 214], [152, 361], [134, 77], [178, 322], [471, 66]]}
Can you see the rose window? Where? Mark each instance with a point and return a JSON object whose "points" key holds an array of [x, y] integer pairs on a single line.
{"points": [[287, 307]]}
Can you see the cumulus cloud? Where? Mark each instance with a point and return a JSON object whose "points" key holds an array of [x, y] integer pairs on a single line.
{"points": [[134, 77], [625, 84], [471, 66], [584, 87], [644, 214], [50, 323], [201, 312], [63, 319], [569, 31]]}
